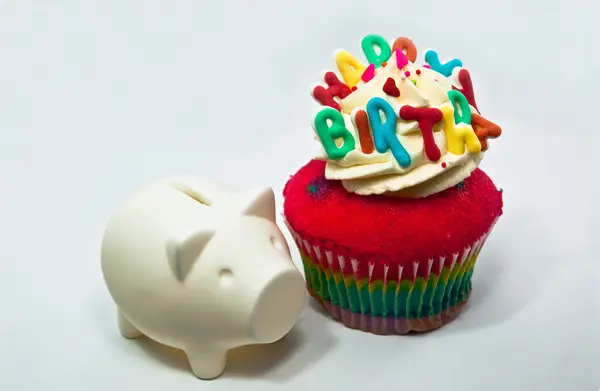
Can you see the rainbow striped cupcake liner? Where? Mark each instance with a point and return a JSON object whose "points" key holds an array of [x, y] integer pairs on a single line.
{"points": [[399, 303]]}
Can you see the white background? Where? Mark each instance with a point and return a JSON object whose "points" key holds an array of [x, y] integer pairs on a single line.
{"points": [[100, 97]]}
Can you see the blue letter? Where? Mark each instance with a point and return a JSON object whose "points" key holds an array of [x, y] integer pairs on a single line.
{"points": [[384, 134]]}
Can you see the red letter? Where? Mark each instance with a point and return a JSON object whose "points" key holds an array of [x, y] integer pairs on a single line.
{"points": [[335, 88], [464, 78], [426, 117]]}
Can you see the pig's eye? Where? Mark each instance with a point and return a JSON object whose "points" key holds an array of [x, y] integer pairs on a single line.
{"points": [[277, 243]]}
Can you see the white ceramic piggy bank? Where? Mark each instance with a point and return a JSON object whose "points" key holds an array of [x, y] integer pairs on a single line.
{"points": [[197, 267]]}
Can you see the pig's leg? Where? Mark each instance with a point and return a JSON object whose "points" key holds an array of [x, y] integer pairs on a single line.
{"points": [[127, 329], [207, 363]]}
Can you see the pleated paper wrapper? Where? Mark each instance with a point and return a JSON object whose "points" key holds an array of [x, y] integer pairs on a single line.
{"points": [[399, 303]]}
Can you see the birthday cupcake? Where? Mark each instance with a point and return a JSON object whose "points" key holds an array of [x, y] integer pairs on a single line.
{"points": [[392, 213]]}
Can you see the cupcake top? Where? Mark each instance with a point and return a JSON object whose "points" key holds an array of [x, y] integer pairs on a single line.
{"points": [[392, 126]]}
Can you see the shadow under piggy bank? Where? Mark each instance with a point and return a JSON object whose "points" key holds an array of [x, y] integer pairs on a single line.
{"points": [[308, 342]]}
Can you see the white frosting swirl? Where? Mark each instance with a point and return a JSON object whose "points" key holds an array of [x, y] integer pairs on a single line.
{"points": [[378, 173]]}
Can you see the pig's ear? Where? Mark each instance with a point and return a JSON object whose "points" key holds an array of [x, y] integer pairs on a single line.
{"points": [[183, 252], [259, 203]]}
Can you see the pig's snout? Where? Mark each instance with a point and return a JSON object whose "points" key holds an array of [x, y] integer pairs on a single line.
{"points": [[278, 306]]}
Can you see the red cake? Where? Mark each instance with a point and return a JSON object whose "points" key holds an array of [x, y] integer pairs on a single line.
{"points": [[391, 215], [358, 252]]}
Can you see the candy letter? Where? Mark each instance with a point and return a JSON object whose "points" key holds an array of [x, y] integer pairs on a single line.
{"points": [[335, 88], [426, 117], [329, 134], [361, 123], [432, 58], [384, 134], [485, 129], [368, 45], [464, 78], [406, 46], [457, 135], [350, 68], [459, 101]]}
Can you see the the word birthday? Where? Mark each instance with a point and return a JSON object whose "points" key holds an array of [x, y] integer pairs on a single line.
{"points": [[375, 125], [372, 131]]}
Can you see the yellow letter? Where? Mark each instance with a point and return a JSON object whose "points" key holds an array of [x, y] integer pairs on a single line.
{"points": [[458, 135], [350, 68]]}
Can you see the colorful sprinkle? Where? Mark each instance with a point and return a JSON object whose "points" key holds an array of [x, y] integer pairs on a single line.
{"points": [[460, 185], [443, 164], [383, 64], [407, 73], [390, 88], [354, 88], [426, 66], [418, 71]]}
